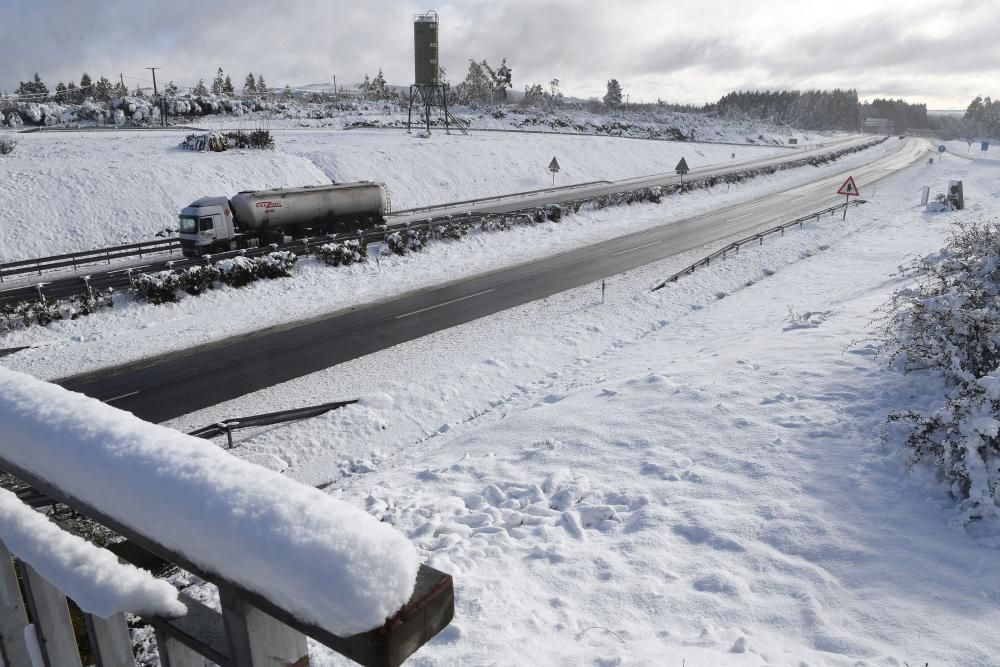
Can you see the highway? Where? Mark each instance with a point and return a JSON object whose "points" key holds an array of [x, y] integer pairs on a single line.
{"points": [[163, 388]]}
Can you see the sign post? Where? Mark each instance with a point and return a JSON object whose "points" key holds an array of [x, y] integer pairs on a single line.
{"points": [[848, 189], [554, 168], [985, 147], [941, 150], [681, 169]]}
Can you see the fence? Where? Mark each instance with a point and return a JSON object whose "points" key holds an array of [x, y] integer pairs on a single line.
{"points": [[736, 245], [227, 426], [78, 259]]}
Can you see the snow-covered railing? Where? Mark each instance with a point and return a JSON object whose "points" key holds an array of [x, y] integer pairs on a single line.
{"points": [[86, 257], [288, 561]]}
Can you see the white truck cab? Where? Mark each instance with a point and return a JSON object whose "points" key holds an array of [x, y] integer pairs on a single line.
{"points": [[206, 226]]}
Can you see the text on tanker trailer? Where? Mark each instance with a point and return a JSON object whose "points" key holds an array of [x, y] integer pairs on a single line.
{"points": [[253, 218]]}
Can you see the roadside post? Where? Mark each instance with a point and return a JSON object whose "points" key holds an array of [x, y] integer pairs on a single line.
{"points": [[984, 147], [681, 169], [941, 150], [554, 168], [848, 189], [925, 194], [602, 291]]}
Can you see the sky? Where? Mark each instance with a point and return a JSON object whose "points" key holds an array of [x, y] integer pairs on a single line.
{"points": [[689, 51]]}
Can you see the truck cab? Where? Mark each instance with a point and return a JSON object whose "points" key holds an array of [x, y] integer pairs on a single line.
{"points": [[207, 226]]}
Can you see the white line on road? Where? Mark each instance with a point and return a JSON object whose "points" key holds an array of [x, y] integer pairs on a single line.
{"points": [[115, 398], [463, 298], [638, 247]]}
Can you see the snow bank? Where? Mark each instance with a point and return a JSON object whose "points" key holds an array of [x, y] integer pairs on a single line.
{"points": [[321, 559], [91, 576]]}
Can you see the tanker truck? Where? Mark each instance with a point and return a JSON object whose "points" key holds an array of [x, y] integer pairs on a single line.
{"points": [[255, 218]]}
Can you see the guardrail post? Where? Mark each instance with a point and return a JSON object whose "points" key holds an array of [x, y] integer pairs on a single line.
{"points": [[175, 654], [256, 639], [13, 649], [109, 641], [53, 625]]}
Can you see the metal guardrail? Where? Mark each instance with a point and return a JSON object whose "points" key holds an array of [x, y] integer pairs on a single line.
{"points": [[736, 245], [481, 200], [227, 426], [77, 259]]}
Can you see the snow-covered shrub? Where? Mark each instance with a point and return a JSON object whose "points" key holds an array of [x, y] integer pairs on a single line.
{"points": [[949, 322], [407, 240], [198, 279], [159, 287], [7, 146], [221, 141], [340, 254], [276, 264], [238, 271]]}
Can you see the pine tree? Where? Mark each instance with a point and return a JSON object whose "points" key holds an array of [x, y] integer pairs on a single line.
{"points": [[85, 84], [102, 90], [287, 92], [200, 89], [613, 97], [34, 88], [61, 92], [250, 85], [119, 90], [218, 82], [227, 86], [170, 90], [74, 94], [261, 86]]}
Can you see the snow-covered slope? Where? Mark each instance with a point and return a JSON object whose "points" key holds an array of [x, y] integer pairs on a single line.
{"points": [[67, 191]]}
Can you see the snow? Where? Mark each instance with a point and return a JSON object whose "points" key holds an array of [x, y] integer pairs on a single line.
{"points": [[340, 568], [92, 577], [131, 330], [692, 475], [76, 191]]}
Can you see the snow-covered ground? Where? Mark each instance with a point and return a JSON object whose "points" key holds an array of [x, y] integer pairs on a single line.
{"points": [[692, 476], [131, 330], [71, 191]]}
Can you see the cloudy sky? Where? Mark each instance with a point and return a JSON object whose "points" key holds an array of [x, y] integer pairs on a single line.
{"points": [[941, 52]]}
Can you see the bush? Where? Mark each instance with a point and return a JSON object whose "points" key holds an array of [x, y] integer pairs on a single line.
{"points": [[197, 279], [7, 146], [276, 264], [238, 271], [950, 322], [159, 287], [221, 141], [340, 254]]}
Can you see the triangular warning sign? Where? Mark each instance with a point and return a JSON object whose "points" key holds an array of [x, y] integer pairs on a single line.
{"points": [[849, 188], [682, 167], [554, 165]]}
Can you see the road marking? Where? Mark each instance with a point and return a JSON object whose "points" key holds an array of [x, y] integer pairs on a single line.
{"points": [[462, 298], [638, 247], [115, 398]]}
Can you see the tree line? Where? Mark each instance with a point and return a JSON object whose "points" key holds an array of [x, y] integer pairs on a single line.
{"points": [[835, 109]]}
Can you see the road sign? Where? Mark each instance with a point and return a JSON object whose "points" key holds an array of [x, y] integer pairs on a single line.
{"points": [[554, 165], [682, 167], [849, 188], [986, 146], [941, 148]]}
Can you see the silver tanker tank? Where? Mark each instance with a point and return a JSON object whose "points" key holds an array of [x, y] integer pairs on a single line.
{"points": [[312, 204]]}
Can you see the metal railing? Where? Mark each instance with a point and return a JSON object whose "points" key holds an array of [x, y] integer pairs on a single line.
{"points": [[227, 426], [735, 246], [87, 257]]}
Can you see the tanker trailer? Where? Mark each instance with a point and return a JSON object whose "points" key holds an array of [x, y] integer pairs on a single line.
{"points": [[253, 218]]}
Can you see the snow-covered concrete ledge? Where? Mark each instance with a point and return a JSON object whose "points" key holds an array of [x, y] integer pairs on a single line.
{"points": [[325, 562], [93, 577]]}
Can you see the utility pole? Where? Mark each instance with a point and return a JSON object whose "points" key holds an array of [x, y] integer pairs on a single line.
{"points": [[121, 77], [336, 95], [156, 97]]}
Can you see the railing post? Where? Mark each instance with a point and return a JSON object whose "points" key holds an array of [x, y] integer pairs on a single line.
{"points": [[175, 654], [53, 625], [13, 650], [109, 641], [258, 640]]}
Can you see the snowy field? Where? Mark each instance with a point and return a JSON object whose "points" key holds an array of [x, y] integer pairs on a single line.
{"points": [[691, 477], [71, 191], [132, 330]]}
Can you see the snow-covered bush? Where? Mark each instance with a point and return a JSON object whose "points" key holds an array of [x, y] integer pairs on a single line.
{"points": [[42, 313], [340, 254], [221, 141], [198, 279], [7, 146], [949, 322], [159, 287], [238, 271], [276, 264], [408, 240]]}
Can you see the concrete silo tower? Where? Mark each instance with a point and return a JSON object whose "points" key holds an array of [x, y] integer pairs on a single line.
{"points": [[428, 92]]}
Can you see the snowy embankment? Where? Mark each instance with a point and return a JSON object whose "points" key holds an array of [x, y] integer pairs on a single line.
{"points": [[688, 476], [65, 192], [92, 577], [319, 558], [131, 330]]}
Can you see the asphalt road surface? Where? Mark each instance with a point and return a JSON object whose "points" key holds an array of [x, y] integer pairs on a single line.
{"points": [[173, 385]]}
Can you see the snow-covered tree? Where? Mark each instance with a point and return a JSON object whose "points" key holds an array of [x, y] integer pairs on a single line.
{"points": [[227, 86], [102, 90], [218, 82], [499, 81], [61, 92], [119, 90], [261, 86], [74, 94], [200, 89], [250, 85], [34, 88], [613, 97], [287, 92], [170, 90]]}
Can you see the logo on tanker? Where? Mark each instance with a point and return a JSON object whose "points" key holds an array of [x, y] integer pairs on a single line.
{"points": [[268, 204]]}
